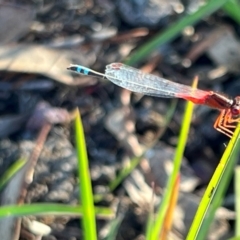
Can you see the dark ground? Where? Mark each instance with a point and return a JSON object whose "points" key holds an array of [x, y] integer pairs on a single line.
{"points": [[42, 38]]}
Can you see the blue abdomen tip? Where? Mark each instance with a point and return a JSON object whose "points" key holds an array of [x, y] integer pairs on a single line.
{"points": [[83, 70]]}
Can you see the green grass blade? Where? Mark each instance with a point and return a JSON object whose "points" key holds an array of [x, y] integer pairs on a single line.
{"points": [[125, 172], [13, 169], [86, 196], [174, 30], [153, 232], [114, 228], [150, 225], [232, 8], [219, 193], [50, 209], [237, 201], [226, 164]]}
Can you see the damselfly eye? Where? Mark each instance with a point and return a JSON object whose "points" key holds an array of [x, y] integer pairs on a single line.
{"points": [[235, 111]]}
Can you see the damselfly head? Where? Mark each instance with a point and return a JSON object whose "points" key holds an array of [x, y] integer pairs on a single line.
{"points": [[235, 108]]}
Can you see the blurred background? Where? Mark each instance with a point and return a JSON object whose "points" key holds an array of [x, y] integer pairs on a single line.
{"points": [[38, 41]]}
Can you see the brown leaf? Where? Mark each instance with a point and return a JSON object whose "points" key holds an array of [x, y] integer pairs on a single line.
{"points": [[39, 60]]}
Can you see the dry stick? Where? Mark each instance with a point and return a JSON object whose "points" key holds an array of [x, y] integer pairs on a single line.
{"points": [[34, 158], [29, 171]]}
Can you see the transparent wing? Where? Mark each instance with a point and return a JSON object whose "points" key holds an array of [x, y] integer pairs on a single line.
{"points": [[148, 84]]}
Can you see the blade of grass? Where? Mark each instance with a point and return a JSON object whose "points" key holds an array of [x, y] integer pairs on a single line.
{"points": [[214, 183], [115, 224], [174, 30], [150, 221], [232, 8], [219, 193], [12, 170], [50, 209], [86, 196], [155, 230], [237, 201]]}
